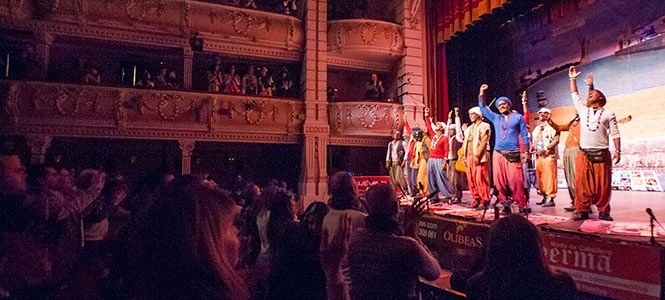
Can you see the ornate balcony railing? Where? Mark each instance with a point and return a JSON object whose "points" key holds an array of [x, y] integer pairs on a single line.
{"points": [[92, 111], [363, 123], [224, 28], [362, 43]]}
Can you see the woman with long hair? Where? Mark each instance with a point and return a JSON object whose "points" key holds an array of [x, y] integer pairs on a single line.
{"points": [[515, 267], [192, 245]]}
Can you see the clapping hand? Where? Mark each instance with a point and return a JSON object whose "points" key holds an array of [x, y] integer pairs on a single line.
{"points": [[411, 216]]}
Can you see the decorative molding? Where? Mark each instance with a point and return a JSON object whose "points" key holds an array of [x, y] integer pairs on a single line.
{"points": [[377, 141], [338, 61], [78, 110], [360, 40], [364, 118]]}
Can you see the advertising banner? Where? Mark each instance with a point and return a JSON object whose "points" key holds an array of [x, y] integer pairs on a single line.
{"points": [[609, 269]]}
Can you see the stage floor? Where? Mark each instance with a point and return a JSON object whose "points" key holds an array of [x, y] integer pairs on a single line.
{"points": [[627, 206]]}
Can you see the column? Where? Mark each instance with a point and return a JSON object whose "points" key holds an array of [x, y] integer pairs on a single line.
{"points": [[188, 58], [186, 148], [412, 66], [39, 145], [43, 41], [314, 177]]}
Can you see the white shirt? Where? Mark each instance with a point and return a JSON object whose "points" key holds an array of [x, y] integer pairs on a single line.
{"points": [[596, 125], [392, 151], [545, 134]]}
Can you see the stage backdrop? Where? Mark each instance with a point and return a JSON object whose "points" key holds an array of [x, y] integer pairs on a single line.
{"points": [[634, 84]]}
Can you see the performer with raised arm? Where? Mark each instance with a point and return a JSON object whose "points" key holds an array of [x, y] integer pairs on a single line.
{"points": [[455, 139], [593, 178], [545, 143], [437, 165], [474, 153], [506, 160]]}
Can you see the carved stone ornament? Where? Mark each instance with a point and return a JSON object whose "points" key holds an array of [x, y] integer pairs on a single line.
{"points": [[186, 147], [370, 115], [169, 107], [255, 111], [136, 10], [67, 101]]}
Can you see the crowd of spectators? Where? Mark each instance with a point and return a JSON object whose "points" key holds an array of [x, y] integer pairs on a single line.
{"points": [[96, 234]]}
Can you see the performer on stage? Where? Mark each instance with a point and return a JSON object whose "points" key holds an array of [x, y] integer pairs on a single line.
{"points": [[507, 160], [572, 146], [529, 164], [411, 173], [545, 142], [593, 178], [437, 164], [474, 153], [455, 139], [419, 162], [395, 157]]}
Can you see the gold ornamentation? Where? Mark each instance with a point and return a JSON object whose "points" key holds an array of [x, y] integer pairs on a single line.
{"points": [[369, 32]]}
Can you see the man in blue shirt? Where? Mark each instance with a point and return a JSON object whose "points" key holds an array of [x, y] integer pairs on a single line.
{"points": [[509, 127]]}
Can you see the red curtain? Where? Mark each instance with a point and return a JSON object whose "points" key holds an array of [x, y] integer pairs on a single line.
{"points": [[455, 16], [442, 85]]}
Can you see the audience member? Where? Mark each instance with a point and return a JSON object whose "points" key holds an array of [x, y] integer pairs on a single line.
{"points": [[192, 246], [296, 271], [515, 267], [343, 202], [386, 264]]}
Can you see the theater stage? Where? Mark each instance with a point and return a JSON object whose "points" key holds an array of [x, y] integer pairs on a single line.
{"points": [[608, 259], [628, 206]]}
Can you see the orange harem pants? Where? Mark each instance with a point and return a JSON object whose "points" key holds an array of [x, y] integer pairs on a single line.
{"points": [[508, 179], [546, 175], [478, 177], [593, 183]]}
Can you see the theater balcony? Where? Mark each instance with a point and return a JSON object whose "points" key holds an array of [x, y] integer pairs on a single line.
{"points": [[364, 44], [220, 28], [363, 123], [54, 109]]}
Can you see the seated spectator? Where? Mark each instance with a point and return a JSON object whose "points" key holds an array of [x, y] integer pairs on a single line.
{"points": [[192, 245], [385, 264], [515, 267]]}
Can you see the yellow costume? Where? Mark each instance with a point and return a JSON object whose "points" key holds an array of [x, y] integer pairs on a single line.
{"points": [[420, 162]]}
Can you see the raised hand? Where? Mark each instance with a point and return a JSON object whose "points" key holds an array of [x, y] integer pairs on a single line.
{"points": [[426, 111], [589, 79], [524, 97], [411, 217], [572, 72], [483, 89], [450, 115]]}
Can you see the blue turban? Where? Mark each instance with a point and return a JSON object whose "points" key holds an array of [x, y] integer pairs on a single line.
{"points": [[503, 99]]}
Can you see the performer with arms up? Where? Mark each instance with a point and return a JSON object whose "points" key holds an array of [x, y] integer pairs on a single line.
{"points": [[506, 160], [593, 178]]}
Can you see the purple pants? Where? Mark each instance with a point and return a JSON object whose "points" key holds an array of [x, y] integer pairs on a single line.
{"points": [[508, 179]]}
